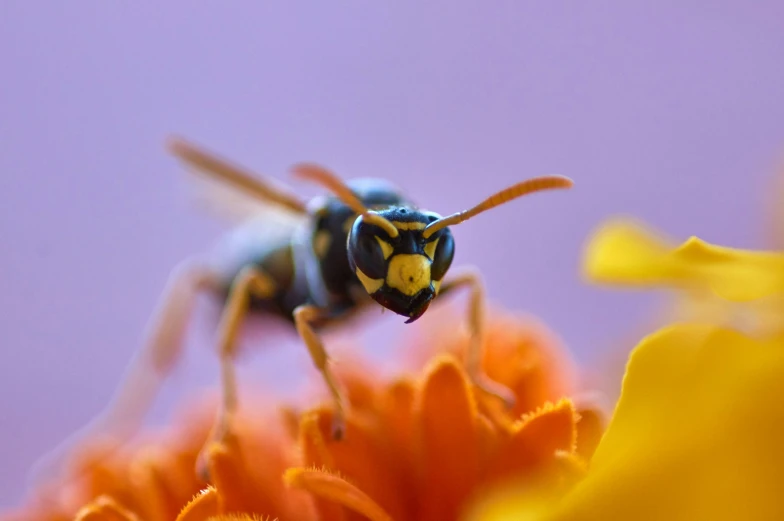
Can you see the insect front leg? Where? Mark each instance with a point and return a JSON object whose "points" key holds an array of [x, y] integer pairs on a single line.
{"points": [[303, 317], [476, 324]]}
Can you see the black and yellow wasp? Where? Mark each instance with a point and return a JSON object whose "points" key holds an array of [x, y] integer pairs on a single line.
{"points": [[312, 263]]}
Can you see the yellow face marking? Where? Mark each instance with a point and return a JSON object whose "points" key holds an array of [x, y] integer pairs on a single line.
{"points": [[321, 243], [370, 285], [430, 248], [386, 248], [437, 285], [408, 226], [409, 273]]}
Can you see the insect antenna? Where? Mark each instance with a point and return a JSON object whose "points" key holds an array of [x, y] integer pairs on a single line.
{"points": [[331, 182], [529, 186]]}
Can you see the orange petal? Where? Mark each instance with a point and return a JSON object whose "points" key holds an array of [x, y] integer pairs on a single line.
{"points": [[536, 439], [364, 457], [332, 488], [240, 517], [227, 471], [360, 383], [267, 451], [108, 479], [396, 407], [490, 440], [105, 508], [202, 507], [520, 352], [246, 470], [450, 439], [151, 487], [291, 420], [496, 413], [313, 443], [314, 452], [590, 428], [397, 410], [528, 358]]}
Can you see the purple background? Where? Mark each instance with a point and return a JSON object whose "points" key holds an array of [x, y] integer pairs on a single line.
{"points": [[672, 112]]}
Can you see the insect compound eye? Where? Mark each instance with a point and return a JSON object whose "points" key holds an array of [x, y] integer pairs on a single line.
{"points": [[443, 254], [366, 250]]}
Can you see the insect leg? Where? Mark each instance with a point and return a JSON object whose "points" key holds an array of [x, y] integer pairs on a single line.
{"points": [[251, 281], [303, 317], [157, 356], [476, 324]]}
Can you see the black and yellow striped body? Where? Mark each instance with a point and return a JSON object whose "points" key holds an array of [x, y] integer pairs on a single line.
{"points": [[312, 265]]}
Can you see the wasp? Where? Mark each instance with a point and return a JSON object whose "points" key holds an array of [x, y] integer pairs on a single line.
{"points": [[312, 263]]}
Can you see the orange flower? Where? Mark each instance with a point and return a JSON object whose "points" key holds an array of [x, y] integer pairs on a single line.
{"points": [[423, 445], [154, 479]]}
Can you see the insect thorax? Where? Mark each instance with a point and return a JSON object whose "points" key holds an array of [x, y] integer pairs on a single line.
{"points": [[332, 224]]}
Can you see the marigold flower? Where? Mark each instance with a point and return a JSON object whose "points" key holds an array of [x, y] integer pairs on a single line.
{"points": [[155, 478], [696, 435], [697, 431], [424, 444]]}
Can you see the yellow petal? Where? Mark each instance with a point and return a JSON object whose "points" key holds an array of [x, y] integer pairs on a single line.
{"points": [[514, 501], [626, 253], [590, 428], [696, 434], [333, 488]]}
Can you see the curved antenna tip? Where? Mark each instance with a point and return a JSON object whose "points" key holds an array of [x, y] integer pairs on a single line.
{"points": [[566, 182], [536, 184]]}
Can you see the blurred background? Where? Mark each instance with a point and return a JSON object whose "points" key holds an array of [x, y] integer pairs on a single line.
{"points": [[671, 112]]}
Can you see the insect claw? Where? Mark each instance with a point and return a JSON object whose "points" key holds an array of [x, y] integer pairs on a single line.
{"points": [[203, 469], [505, 395], [509, 401], [338, 428], [496, 390]]}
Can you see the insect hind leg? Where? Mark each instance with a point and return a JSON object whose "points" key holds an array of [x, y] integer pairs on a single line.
{"points": [[160, 352]]}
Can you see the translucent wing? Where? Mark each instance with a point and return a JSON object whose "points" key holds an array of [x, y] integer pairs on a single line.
{"points": [[234, 194]]}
